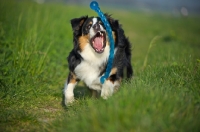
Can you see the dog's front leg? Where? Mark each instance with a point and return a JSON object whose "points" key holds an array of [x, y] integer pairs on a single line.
{"points": [[69, 88], [109, 87], [111, 84]]}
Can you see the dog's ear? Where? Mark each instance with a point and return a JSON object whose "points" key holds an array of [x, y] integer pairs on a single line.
{"points": [[113, 23], [77, 23]]}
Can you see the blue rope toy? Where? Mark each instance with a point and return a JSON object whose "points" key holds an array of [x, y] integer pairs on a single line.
{"points": [[94, 6]]}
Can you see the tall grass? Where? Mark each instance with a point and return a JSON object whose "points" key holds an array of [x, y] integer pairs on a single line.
{"points": [[35, 41], [152, 43]]}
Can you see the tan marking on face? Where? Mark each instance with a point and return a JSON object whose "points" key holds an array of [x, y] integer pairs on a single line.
{"points": [[73, 79], [90, 23], [83, 41]]}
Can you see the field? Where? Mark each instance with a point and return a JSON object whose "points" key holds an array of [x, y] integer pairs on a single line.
{"points": [[164, 94]]}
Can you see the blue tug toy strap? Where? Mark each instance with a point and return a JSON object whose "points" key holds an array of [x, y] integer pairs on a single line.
{"points": [[94, 6]]}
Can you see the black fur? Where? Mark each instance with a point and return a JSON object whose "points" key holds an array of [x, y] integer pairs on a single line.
{"points": [[123, 55]]}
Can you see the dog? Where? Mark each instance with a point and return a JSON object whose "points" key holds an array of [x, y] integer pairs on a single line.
{"points": [[88, 59]]}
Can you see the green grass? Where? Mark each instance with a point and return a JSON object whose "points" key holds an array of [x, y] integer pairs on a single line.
{"points": [[35, 41]]}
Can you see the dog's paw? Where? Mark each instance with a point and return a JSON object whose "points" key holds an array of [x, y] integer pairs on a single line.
{"points": [[106, 92], [69, 100], [104, 96]]}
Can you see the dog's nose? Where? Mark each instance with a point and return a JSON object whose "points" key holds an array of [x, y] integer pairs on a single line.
{"points": [[96, 27]]}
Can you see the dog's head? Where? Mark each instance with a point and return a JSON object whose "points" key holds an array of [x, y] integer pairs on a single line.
{"points": [[91, 31]]}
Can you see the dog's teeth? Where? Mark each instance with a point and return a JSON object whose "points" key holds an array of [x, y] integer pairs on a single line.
{"points": [[102, 42]]}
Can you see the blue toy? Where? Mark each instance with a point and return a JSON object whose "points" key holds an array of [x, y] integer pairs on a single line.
{"points": [[94, 5]]}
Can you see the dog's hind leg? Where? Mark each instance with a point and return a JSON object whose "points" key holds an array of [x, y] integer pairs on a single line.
{"points": [[95, 93], [69, 88]]}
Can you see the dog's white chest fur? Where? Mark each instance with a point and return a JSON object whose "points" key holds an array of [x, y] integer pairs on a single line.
{"points": [[89, 68], [89, 74]]}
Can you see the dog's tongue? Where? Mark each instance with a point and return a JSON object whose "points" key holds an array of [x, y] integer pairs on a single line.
{"points": [[98, 43]]}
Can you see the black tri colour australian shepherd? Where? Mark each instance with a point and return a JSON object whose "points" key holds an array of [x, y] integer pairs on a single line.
{"points": [[88, 59]]}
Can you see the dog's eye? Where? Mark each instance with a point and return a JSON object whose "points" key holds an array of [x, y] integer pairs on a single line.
{"points": [[100, 22], [89, 26]]}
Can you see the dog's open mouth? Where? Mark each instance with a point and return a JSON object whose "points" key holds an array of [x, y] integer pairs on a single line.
{"points": [[98, 42]]}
